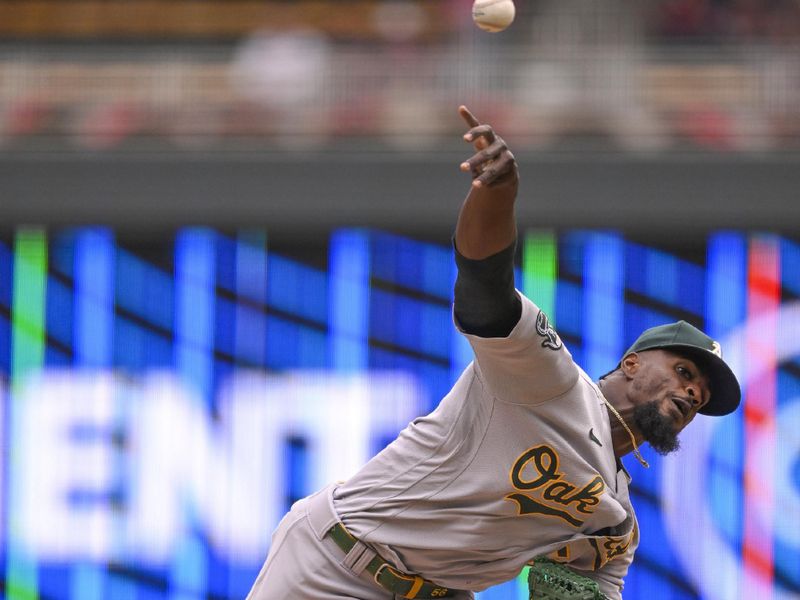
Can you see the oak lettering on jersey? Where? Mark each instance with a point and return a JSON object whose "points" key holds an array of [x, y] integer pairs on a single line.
{"points": [[549, 493]]}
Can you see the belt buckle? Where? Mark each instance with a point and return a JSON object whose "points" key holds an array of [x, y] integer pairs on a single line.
{"points": [[415, 586], [378, 572]]}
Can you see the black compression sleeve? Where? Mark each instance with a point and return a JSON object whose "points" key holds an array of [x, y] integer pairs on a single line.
{"points": [[486, 303]]}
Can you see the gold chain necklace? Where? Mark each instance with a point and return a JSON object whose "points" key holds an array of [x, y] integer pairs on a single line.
{"points": [[636, 452]]}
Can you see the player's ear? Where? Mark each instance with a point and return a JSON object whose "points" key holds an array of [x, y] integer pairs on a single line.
{"points": [[630, 364]]}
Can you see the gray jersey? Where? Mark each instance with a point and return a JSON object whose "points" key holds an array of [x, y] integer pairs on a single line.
{"points": [[516, 462]]}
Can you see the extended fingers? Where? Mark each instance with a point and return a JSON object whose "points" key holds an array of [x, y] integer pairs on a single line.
{"points": [[468, 117], [481, 135], [492, 163], [497, 170], [482, 159]]}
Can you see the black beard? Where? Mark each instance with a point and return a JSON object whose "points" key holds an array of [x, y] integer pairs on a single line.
{"points": [[657, 429]]}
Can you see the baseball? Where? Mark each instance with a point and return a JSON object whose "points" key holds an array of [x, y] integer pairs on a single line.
{"points": [[493, 15]]}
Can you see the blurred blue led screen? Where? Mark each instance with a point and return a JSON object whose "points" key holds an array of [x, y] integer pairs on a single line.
{"points": [[162, 410]]}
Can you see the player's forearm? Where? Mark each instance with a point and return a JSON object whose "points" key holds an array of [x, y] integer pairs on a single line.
{"points": [[486, 303], [486, 223]]}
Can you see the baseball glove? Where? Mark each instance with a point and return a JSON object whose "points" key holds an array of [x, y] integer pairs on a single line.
{"points": [[548, 580]]}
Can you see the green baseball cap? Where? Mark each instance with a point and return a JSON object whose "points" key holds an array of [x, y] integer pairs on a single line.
{"points": [[688, 340]]}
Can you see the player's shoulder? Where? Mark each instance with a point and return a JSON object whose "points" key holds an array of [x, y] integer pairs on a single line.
{"points": [[535, 320]]}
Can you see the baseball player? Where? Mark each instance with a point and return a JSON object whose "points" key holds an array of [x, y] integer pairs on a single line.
{"points": [[520, 460]]}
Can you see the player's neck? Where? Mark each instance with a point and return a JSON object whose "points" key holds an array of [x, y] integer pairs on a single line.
{"points": [[620, 416], [620, 437]]}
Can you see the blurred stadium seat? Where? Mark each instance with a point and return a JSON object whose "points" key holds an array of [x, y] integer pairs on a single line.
{"points": [[310, 73]]}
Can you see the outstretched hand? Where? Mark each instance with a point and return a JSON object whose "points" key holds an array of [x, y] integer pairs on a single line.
{"points": [[493, 164], [486, 223]]}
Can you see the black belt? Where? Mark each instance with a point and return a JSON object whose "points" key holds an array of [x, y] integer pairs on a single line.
{"points": [[386, 576]]}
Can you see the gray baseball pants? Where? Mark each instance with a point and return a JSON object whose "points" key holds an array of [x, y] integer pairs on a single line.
{"points": [[304, 564]]}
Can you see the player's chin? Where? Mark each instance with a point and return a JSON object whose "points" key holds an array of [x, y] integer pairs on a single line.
{"points": [[671, 413], [660, 430], [664, 439]]}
